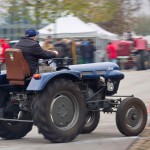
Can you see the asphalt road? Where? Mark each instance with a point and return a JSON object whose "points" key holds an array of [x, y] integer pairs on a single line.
{"points": [[106, 136]]}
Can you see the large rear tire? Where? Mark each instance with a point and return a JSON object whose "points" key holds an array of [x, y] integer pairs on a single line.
{"points": [[131, 116], [139, 62], [60, 111], [146, 60], [13, 129], [92, 122]]}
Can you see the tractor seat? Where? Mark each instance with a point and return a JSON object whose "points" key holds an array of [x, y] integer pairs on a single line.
{"points": [[17, 68]]}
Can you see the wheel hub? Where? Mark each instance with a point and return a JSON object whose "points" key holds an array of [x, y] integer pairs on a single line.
{"points": [[132, 117], [62, 111]]}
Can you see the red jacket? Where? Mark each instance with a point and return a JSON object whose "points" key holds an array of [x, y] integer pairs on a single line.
{"points": [[4, 47], [111, 52]]}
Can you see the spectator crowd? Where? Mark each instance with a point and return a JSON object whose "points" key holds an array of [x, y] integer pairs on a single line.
{"points": [[85, 50]]}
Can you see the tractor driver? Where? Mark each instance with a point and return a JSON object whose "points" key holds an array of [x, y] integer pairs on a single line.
{"points": [[32, 51]]}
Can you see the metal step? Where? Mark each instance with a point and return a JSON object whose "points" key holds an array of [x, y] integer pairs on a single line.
{"points": [[5, 119]]}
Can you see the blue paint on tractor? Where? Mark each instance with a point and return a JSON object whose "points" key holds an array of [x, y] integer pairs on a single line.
{"points": [[94, 70], [82, 71], [37, 85]]}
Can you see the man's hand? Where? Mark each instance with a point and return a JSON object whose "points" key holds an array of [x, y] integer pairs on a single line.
{"points": [[56, 52]]}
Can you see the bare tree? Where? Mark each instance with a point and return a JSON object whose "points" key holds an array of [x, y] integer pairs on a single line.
{"points": [[124, 16], [36, 11]]}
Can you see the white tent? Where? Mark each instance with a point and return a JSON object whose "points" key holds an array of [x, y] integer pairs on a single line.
{"points": [[103, 33], [68, 27]]}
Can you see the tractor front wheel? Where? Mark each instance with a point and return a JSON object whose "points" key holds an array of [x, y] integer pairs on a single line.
{"points": [[131, 116]]}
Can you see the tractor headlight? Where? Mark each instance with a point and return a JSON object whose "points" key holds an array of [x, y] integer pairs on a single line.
{"points": [[110, 85]]}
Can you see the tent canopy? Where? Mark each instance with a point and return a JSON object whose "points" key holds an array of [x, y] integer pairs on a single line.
{"points": [[68, 27], [73, 27], [103, 33]]}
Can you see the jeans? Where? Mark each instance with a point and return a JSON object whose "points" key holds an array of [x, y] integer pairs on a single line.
{"points": [[113, 60], [3, 66]]}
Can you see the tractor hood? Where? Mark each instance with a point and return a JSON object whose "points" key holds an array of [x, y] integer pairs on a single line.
{"points": [[94, 70], [104, 66]]}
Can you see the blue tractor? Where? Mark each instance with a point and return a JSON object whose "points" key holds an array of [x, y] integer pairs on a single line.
{"points": [[64, 103]]}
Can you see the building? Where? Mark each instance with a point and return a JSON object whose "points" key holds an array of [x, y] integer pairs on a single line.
{"points": [[14, 31]]}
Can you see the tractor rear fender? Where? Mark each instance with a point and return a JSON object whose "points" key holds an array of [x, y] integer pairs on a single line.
{"points": [[39, 84]]}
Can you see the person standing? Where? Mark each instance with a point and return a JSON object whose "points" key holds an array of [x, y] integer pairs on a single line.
{"points": [[1, 55], [87, 51], [61, 48], [111, 53], [68, 52], [47, 45], [4, 46], [84, 52], [92, 49]]}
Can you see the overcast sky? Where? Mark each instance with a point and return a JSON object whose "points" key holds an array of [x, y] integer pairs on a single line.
{"points": [[145, 8]]}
